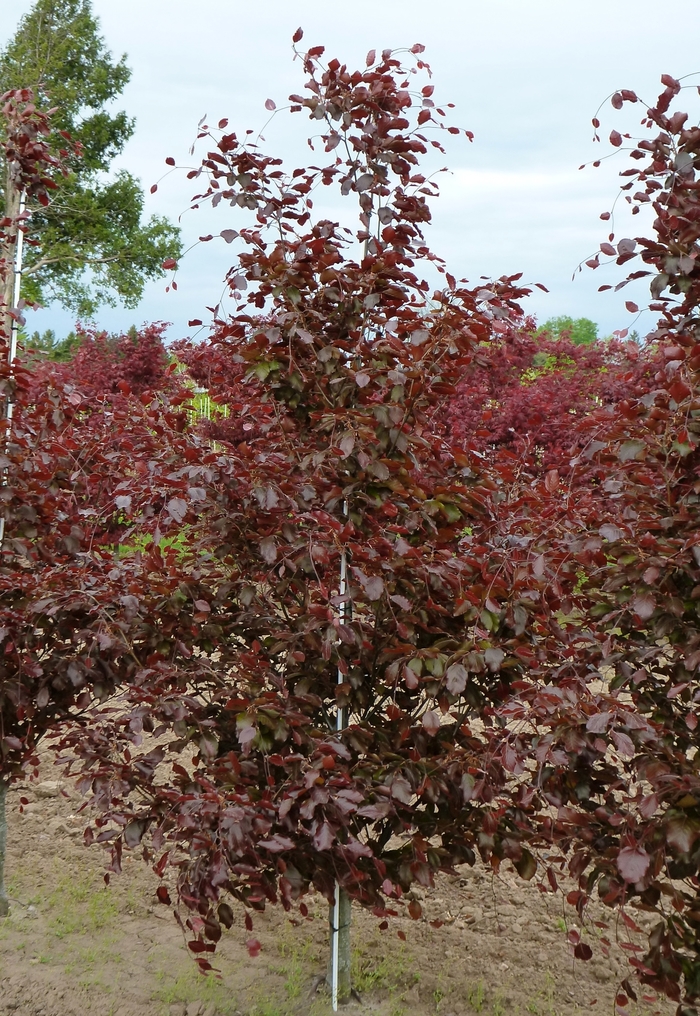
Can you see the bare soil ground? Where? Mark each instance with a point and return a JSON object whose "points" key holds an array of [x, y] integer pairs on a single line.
{"points": [[73, 946]]}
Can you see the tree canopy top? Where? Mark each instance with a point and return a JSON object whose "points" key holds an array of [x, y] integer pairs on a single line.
{"points": [[58, 51], [91, 246]]}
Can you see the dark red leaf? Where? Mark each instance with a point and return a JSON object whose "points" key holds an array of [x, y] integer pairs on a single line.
{"points": [[225, 915], [633, 863]]}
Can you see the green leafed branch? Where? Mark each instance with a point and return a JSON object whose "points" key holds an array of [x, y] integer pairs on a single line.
{"points": [[91, 246]]}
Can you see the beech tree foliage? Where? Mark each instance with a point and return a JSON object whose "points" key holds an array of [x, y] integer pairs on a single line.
{"points": [[77, 459], [99, 364], [515, 653], [611, 732], [31, 168], [529, 392], [579, 639], [639, 843], [336, 362]]}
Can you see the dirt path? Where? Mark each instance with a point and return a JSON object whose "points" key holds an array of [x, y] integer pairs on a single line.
{"points": [[73, 946]]}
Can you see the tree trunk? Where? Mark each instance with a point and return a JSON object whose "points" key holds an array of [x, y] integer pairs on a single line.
{"points": [[4, 904], [344, 915]]}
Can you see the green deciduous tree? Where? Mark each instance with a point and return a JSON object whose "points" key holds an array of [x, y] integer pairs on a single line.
{"points": [[91, 246], [581, 331]]}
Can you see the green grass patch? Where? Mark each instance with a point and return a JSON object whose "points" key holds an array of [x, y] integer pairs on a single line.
{"points": [[80, 906], [299, 964], [476, 995], [390, 973]]}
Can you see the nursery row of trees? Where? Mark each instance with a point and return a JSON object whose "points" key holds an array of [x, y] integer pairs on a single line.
{"points": [[429, 590]]}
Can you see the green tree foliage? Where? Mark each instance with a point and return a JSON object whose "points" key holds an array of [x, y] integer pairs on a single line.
{"points": [[581, 331], [46, 346], [92, 247]]}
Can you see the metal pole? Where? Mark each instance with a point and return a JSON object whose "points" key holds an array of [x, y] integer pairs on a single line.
{"points": [[341, 904], [340, 724], [17, 287], [14, 331], [334, 947]]}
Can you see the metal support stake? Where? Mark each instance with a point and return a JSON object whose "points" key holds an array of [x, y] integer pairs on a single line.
{"points": [[17, 283], [14, 331], [340, 913]]}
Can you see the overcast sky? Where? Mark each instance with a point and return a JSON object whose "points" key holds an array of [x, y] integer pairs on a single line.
{"points": [[526, 77]]}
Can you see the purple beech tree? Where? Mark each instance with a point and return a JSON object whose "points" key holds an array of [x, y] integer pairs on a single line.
{"points": [[610, 724], [30, 171], [556, 607], [83, 471], [337, 360]]}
